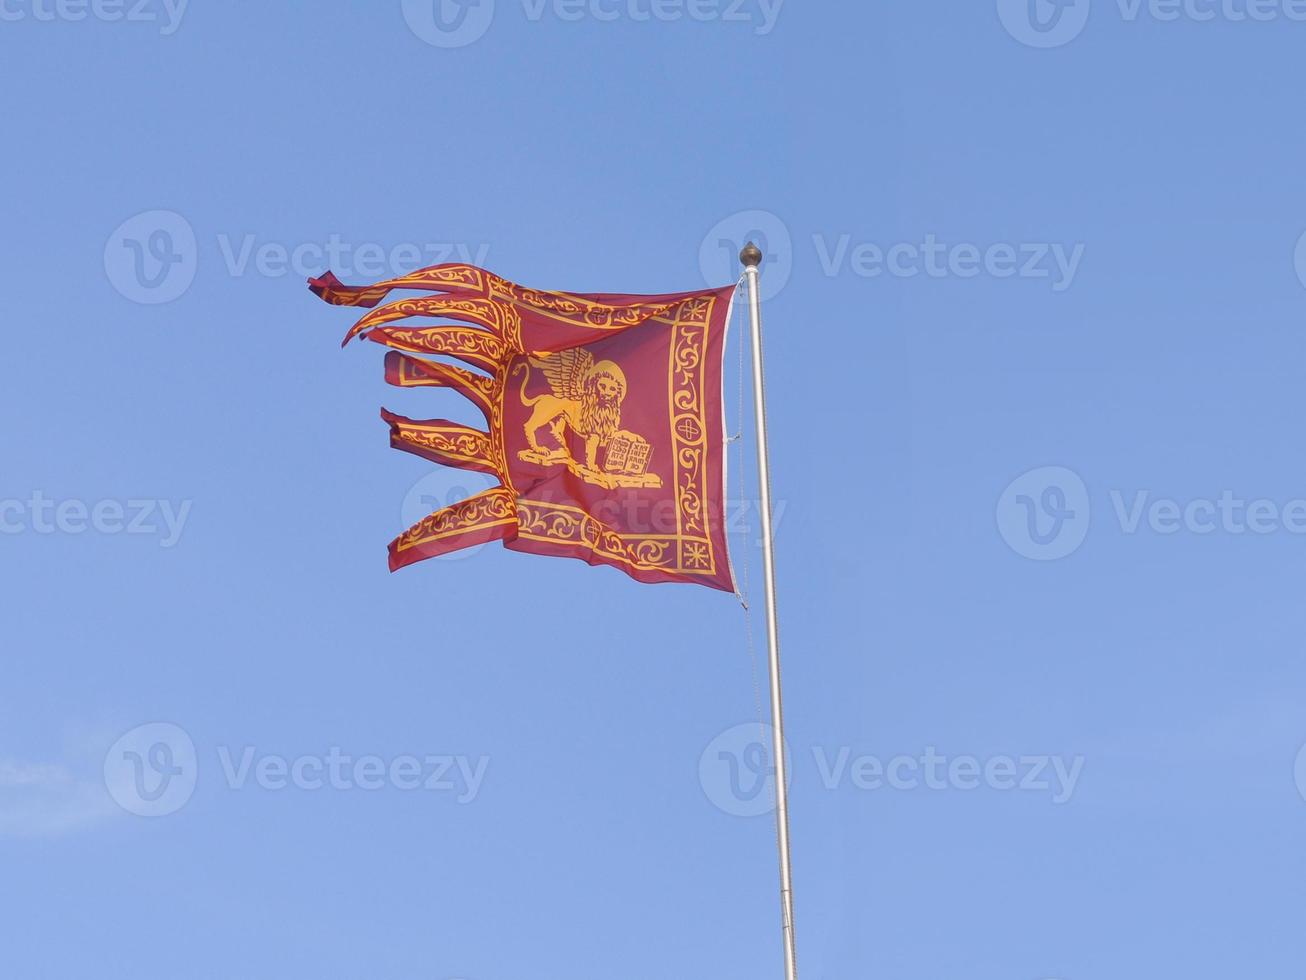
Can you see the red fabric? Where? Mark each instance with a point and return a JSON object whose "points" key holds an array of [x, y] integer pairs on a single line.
{"points": [[604, 411]]}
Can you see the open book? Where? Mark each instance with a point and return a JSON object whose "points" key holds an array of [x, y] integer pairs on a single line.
{"points": [[627, 453]]}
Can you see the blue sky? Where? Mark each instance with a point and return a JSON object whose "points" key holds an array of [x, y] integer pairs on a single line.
{"points": [[1033, 318]]}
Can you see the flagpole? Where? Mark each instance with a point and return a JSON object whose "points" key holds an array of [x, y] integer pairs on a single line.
{"points": [[751, 257]]}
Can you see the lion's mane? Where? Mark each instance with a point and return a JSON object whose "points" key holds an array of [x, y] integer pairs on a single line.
{"points": [[596, 419]]}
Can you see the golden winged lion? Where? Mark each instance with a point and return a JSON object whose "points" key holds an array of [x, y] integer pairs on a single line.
{"points": [[586, 399]]}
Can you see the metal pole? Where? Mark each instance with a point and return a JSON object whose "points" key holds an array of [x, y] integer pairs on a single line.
{"points": [[751, 257]]}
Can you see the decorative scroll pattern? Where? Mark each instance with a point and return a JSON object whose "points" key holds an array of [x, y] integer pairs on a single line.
{"points": [[594, 315], [500, 319], [479, 348], [688, 433], [563, 524], [443, 442], [491, 508], [414, 372]]}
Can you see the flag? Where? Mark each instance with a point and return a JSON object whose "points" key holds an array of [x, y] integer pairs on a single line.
{"points": [[605, 423]]}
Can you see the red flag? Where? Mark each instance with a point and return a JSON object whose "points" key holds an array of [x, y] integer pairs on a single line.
{"points": [[604, 413]]}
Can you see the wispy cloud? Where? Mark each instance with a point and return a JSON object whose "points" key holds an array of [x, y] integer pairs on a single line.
{"points": [[39, 800]]}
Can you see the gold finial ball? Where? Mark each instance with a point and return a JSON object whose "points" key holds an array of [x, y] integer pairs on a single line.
{"points": [[751, 255]]}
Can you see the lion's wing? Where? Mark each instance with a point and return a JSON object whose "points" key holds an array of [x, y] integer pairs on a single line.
{"points": [[566, 370]]}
